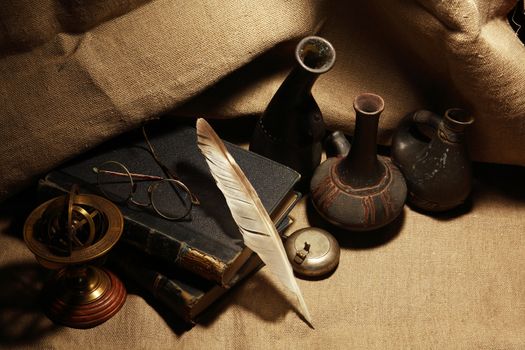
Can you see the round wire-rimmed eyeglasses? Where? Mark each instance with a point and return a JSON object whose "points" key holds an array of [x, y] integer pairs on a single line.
{"points": [[169, 197]]}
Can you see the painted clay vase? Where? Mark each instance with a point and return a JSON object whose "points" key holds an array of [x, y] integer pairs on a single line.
{"points": [[291, 129], [437, 168], [360, 191]]}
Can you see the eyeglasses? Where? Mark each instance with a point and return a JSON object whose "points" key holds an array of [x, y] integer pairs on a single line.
{"points": [[168, 196]]}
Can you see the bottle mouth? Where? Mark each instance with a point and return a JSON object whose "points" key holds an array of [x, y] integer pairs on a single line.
{"points": [[458, 116], [315, 54], [369, 104]]}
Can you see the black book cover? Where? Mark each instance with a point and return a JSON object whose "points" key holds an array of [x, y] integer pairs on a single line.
{"points": [[209, 244]]}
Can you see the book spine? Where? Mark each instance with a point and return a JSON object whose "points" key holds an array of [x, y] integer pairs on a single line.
{"points": [[171, 251], [187, 300]]}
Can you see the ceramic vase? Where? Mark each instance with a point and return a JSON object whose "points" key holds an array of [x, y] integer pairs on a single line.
{"points": [[360, 191], [436, 164], [291, 129]]}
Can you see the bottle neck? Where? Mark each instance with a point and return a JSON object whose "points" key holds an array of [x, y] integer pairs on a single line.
{"points": [[361, 168], [293, 100], [453, 126]]}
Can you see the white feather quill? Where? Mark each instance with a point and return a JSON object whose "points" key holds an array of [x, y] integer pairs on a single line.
{"points": [[255, 225]]}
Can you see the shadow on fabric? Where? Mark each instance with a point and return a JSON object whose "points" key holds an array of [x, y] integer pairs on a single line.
{"points": [[15, 210], [257, 295], [221, 96], [22, 321], [177, 325], [507, 180]]}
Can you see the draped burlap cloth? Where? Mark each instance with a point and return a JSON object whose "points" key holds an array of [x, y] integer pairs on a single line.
{"points": [[73, 74], [76, 73], [450, 282]]}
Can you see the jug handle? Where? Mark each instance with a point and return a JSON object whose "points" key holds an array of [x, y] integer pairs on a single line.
{"points": [[336, 144], [426, 118]]}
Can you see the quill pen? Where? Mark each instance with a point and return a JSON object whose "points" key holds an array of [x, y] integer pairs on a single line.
{"points": [[257, 229]]}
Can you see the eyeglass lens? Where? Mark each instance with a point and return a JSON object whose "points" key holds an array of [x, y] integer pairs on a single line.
{"points": [[170, 199]]}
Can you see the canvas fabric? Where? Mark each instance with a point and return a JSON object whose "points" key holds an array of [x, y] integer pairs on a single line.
{"points": [[453, 281], [73, 74]]}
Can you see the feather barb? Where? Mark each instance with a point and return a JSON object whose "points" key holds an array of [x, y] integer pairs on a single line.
{"points": [[257, 229]]}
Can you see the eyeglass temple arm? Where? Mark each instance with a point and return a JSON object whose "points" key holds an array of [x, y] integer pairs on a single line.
{"points": [[193, 197], [133, 175]]}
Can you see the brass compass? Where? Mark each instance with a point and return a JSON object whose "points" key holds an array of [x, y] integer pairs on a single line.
{"points": [[71, 233]]}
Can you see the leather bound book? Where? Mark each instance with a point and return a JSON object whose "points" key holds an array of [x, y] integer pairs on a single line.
{"points": [[176, 291], [209, 244]]}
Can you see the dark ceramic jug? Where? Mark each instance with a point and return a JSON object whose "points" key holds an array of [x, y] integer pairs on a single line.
{"points": [[291, 129], [437, 169], [361, 191]]}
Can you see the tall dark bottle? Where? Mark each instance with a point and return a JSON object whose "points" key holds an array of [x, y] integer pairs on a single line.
{"points": [[291, 129]]}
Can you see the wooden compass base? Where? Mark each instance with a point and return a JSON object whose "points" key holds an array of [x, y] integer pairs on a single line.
{"points": [[86, 315]]}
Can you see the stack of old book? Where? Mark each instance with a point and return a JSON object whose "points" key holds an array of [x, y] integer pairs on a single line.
{"points": [[185, 265]]}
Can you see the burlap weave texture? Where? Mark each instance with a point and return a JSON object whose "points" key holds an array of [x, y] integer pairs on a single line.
{"points": [[451, 282], [75, 74]]}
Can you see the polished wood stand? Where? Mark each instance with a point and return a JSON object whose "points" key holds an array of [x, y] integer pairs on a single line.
{"points": [[83, 297]]}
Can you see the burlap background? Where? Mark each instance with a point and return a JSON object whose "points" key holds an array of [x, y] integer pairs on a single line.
{"points": [[73, 74], [450, 282], [68, 82]]}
